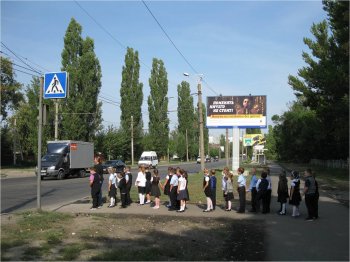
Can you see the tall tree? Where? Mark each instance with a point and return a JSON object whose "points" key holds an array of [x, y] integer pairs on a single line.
{"points": [[297, 133], [26, 128], [158, 108], [186, 118], [10, 88], [131, 101], [81, 111], [323, 84]]}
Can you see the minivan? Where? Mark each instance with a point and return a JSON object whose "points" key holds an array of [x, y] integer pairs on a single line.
{"points": [[149, 158]]}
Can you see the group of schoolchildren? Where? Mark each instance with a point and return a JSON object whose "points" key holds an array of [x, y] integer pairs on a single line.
{"points": [[121, 181], [260, 190], [176, 188]]}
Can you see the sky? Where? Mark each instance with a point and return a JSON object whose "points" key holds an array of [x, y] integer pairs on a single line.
{"points": [[240, 47]]}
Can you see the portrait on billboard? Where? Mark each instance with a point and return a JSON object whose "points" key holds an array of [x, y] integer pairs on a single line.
{"points": [[236, 111]]}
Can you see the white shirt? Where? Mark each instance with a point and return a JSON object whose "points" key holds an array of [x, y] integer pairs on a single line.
{"points": [[141, 179], [241, 180], [112, 178], [182, 183], [257, 184]]}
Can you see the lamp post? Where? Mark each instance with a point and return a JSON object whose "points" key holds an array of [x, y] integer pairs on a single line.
{"points": [[200, 112]]}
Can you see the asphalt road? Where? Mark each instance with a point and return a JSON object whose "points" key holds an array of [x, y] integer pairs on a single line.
{"points": [[19, 194]]}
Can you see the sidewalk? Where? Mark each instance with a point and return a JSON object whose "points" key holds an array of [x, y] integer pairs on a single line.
{"points": [[286, 238]]}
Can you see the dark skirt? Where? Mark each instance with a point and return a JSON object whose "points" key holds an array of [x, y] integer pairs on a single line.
{"points": [[155, 191], [182, 195], [296, 198], [148, 187], [141, 189], [229, 196], [167, 188], [113, 191], [207, 192]]}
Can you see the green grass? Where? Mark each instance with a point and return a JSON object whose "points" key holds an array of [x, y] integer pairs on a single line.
{"points": [[39, 226], [43, 220], [72, 251], [195, 186]]}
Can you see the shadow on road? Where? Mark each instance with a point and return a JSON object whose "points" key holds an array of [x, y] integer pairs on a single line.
{"points": [[13, 208]]}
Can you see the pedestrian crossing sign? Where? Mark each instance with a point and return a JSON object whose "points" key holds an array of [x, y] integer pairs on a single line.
{"points": [[56, 85]]}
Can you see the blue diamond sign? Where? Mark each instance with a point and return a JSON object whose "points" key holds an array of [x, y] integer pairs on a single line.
{"points": [[56, 85]]}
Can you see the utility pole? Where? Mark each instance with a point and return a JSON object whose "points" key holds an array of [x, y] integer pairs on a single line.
{"points": [[132, 140], [38, 185], [56, 120], [186, 146], [201, 133], [14, 141]]}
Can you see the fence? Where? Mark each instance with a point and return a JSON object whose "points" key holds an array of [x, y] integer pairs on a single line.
{"points": [[344, 164]]}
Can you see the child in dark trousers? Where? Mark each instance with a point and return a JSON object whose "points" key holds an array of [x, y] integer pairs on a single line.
{"points": [[282, 192], [123, 189], [213, 187], [95, 185], [262, 192]]}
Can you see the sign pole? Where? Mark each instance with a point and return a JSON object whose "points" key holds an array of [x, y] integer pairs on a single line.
{"points": [[56, 120], [235, 149], [38, 185]]}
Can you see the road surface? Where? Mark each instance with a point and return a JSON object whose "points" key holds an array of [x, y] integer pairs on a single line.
{"points": [[19, 194]]}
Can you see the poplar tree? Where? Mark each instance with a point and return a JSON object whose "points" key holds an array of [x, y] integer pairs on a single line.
{"points": [[131, 102], [81, 113], [158, 108]]}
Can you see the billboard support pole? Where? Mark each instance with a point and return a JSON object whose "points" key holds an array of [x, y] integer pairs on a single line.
{"points": [[235, 149]]}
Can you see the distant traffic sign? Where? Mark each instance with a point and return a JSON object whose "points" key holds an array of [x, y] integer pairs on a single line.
{"points": [[56, 85]]}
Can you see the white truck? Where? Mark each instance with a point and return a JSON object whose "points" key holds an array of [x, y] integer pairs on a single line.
{"points": [[66, 158], [149, 158]]}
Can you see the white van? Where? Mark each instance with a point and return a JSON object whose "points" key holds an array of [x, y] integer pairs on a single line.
{"points": [[149, 158]]}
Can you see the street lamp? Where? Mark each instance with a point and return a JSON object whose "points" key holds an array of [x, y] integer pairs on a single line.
{"points": [[200, 112]]}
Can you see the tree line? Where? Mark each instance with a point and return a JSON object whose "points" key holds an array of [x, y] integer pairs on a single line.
{"points": [[316, 125], [80, 114]]}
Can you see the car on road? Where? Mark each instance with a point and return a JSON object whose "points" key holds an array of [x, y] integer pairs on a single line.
{"points": [[117, 164], [207, 159], [216, 159], [198, 160]]}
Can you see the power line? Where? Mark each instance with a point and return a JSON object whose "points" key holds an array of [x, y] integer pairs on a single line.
{"points": [[15, 69], [172, 42], [40, 73], [106, 31], [26, 68]]}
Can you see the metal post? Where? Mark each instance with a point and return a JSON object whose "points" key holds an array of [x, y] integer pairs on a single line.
{"points": [[56, 120], [132, 140], [38, 185], [227, 150], [201, 132], [186, 146]]}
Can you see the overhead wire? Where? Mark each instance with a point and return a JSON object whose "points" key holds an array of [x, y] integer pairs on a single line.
{"points": [[172, 42], [37, 71]]}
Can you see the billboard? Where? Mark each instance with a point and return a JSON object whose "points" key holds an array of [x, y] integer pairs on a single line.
{"points": [[236, 111], [253, 139]]}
